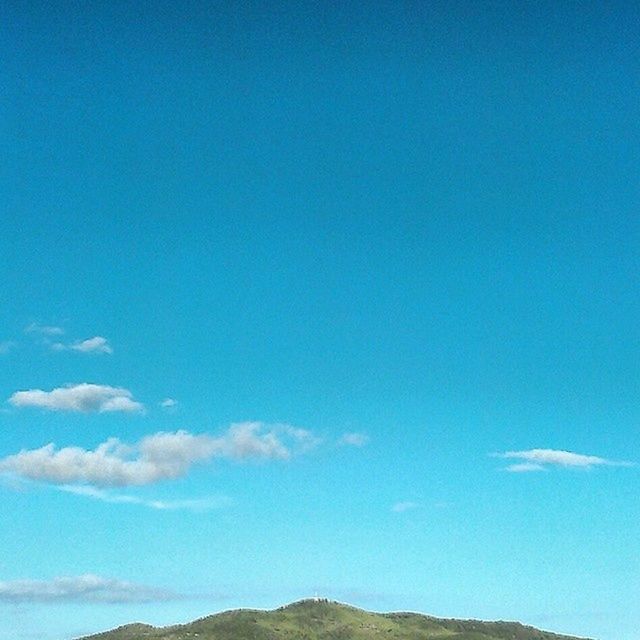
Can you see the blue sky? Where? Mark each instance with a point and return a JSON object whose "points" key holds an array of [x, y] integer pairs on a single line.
{"points": [[333, 298]]}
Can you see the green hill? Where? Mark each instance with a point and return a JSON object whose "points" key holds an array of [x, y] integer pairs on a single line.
{"points": [[326, 620]]}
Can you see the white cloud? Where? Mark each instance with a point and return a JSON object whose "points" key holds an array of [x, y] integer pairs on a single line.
{"points": [[160, 456], [96, 345], [169, 404], [189, 504], [45, 330], [354, 439], [524, 467], [84, 588], [303, 439], [83, 397], [541, 459], [401, 507]]}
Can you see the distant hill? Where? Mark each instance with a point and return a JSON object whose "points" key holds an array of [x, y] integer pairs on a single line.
{"points": [[326, 620]]}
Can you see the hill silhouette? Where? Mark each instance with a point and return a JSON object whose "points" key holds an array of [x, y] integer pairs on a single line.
{"points": [[319, 619]]}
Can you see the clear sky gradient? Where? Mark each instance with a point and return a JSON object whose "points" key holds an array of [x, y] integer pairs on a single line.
{"points": [[319, 297]]}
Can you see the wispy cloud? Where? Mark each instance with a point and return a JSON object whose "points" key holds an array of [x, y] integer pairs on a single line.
{"points": [[95, 345], [303, 439], [43, 329], [354, 439], [401, 507], [6, 346], [160, 456], [192, 504], [169, 404], [542, 459], [83, 397], [525, 467], [84, 588]]}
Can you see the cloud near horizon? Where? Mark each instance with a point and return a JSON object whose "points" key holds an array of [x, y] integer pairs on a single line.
{"points": [[157, 457], [84, 398], [542, 459], [84, 588]]}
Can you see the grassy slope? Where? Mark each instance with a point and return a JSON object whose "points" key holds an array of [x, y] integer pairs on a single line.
{"points": [[322, 620]]}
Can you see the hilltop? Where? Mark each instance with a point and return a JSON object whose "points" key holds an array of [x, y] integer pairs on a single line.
{"points": [[326, 620]]}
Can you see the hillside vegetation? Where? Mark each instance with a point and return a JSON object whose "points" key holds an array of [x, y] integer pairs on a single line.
{"points": [[326, 620]]}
